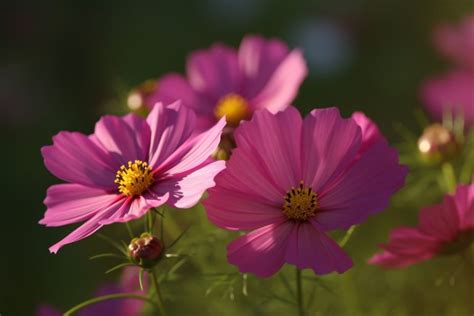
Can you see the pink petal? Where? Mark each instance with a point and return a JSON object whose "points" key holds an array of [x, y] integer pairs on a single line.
{"points": [[192, 152], [126, 138], [329, 146], [214, 73], [258, 60], [406, 246], [75, 158], [464, 199], [275, 146], [450, 92], [311, 248], [171, 88], [440, 221], [363, 190], [72, 203], [90, 226], [370, 131], [191, 187], [283, 85], [170, 127], [262, 251]]}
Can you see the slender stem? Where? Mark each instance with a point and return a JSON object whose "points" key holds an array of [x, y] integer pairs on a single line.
{"points": [[449, 176], [299, 292], [159, 298], [99, 299]]}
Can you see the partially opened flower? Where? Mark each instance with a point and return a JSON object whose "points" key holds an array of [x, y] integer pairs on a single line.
{"points": [[445, 228], [450, 93], [290, 181], [128, 166], [125, 307], [222, 81], [457, 42]]}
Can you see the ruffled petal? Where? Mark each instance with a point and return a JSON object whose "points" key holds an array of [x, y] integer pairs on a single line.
{"points": [[363, 190], [72, 203], [370, 131], [75, 158], [171, 88], [330, 144], [125, 138], [258, 60], [90, 226], [214, 73], [261, 252], [311, 248], [274, 140], [192, 152], [189, 188], [170, 127], [283, 85]]}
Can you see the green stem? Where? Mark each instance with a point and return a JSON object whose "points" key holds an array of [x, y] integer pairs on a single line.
{"points": [[299, 292], [449, 177], [159, 298], [99, 299]]}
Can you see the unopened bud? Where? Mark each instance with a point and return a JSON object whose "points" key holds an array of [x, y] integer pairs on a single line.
{"points": [[136, 100], [145, 250], [437, 143]]}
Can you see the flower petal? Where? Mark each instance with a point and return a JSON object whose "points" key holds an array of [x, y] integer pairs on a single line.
{"points": [[311, 248], [362, 191], [330, 144], [192, 152], [214, 72], [171, 88], [191, 187], [440, 221], [275, 146], [72, 203], [125, 138], [283, 85], [258, 60], [464, 199], [90, 226], [170, 127], [262, 251], [370, 131], [75, 158]]}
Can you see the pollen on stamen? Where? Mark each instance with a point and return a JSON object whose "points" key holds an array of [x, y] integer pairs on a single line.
{"points": [[134, 178], [301, 203]]}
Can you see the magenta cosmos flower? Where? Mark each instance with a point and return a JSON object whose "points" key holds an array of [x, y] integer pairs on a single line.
{"points": [[222, 81], [128, 166], [291, 180], [124, 307], [444, 229]]}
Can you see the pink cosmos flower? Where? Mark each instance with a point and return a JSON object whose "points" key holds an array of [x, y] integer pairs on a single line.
{"points": [[456, 42], [128, 166], [289, 181], [444, 228], [222, 81], [124, 307]]}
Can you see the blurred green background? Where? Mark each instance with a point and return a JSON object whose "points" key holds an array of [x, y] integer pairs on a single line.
{"points": [[64, 64]]}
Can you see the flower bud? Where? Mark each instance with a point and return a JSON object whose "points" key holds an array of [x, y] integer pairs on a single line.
{"points": [[225, 147], [437, 143], [145, 250]]}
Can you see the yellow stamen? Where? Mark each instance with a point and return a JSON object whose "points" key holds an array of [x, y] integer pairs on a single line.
{"points": [[301, 203], [234, 107], [134, 179]]}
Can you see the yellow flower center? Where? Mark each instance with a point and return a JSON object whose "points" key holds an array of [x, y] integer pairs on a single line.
{"points": [[301, 203], [234, 107], [134, 179]]}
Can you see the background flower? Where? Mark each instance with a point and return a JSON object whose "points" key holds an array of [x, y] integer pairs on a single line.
{"points": [[289, 186], [444, 228], [220, 81], [128, 166]]}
